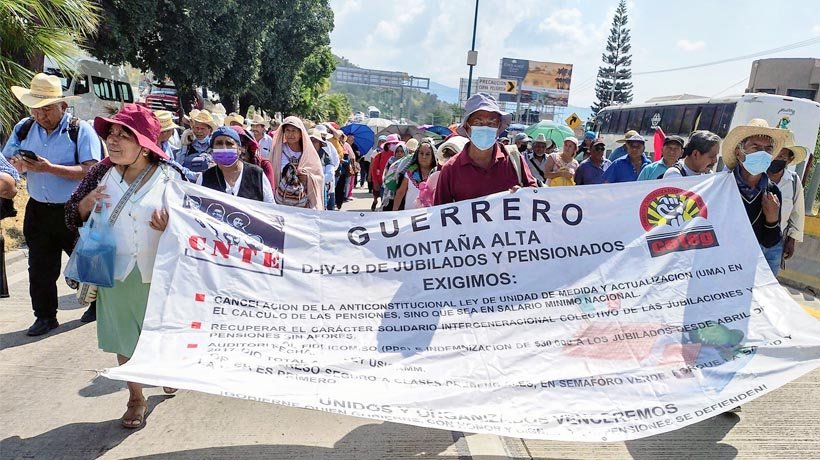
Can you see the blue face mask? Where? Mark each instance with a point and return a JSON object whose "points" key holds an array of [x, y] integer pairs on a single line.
{"points": [[483, 137], [757, 162]]}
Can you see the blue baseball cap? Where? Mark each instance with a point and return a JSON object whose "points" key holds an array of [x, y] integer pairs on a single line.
{"points": [[227, 132], [589, 135]]}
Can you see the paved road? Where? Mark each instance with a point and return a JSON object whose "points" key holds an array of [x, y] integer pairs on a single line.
{"points": [[53, 406]]}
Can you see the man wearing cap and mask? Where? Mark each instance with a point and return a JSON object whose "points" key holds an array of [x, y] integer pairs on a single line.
{"points": [[591, 170], [621, 151], [63, 151], [259, 127], [792, 210], [627, 168], [194, 153], [484, 166], [670, 154], [522, 143], [747, 152]]}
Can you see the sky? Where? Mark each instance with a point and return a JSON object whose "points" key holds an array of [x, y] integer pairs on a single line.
{"points": [[430, 38]]}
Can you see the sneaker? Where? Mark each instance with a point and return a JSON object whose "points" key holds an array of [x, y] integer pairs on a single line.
{"points": [[90, 314], [42, 325]]}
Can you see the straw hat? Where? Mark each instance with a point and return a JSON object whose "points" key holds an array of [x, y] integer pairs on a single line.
{"points": [[800, 153], [203, 116], [412, 145], [166, 120], [755, 127], [627, 135], [259, 120], [44, 90], [234, 118]]}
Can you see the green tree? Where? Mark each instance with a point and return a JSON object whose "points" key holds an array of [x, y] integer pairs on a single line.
{"points": [[32, 29], [614, 85], [194, 42]]}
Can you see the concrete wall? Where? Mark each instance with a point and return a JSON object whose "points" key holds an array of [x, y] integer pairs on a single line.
{"points": [[784, 74], [803, 269]]}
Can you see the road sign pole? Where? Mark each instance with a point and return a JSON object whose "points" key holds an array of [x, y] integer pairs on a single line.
{"points": [[472, 48], [518, 102]]}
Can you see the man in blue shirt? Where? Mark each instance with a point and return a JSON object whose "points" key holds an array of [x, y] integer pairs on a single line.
{"points": [[621, 151], [53, 172], [671, 153], [591, 171], [627, 168]]}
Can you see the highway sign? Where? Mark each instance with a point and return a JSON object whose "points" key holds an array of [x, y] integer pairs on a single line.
{"points": [[574, 121]]}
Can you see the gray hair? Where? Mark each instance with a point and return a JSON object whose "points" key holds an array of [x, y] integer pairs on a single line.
{"points": [[702, 141]]}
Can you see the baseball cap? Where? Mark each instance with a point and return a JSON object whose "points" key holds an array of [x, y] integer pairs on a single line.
{"points": [[572, 139], [674, 138]]}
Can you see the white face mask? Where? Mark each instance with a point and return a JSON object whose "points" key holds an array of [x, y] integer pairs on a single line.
{"points": [[483, 137]]}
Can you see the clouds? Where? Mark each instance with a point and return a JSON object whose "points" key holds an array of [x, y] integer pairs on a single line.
{"points": [[689, 45]]}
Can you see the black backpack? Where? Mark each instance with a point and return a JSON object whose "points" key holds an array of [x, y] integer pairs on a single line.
{"points": [[73, 133]]}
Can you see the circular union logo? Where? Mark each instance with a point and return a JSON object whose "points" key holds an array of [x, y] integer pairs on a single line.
{"points": [[670, 206]]}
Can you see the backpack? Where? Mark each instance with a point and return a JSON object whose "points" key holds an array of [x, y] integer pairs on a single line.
{"points": [[680, 169], [515, 157], [73, 133]]}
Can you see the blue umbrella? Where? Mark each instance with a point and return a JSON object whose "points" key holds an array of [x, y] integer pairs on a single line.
{"points": [[442, 131], [363, 136]]}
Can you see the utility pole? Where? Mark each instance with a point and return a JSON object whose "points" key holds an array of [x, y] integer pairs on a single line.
{"points": [[472, 55]]}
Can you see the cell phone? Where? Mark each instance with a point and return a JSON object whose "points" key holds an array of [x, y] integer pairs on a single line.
{"points": [[28, 154]]}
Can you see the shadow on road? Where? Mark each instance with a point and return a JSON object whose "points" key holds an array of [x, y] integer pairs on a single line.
{"points": [[18, 338], [698, 441], [101, 386], [75, 440], [369, 442]]}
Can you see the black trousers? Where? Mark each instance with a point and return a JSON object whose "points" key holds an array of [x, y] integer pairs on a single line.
{"points": [[341, 191], [47, 238]]}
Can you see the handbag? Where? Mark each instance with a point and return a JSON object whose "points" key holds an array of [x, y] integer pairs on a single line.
{"points": [[92, 260]]}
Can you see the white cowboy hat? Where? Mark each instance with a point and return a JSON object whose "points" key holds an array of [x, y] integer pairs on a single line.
{"points": [[45, 90], [800, 153], [166, 120], [203, 116], [755, 127], [259, 120]]}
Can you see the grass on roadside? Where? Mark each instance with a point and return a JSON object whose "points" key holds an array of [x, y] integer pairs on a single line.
{"points": [[12, 227]]}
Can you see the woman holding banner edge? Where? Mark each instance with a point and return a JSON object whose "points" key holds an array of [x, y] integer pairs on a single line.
{"points": [[134, 176]]}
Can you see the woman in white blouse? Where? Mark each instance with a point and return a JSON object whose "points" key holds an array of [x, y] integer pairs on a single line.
{"points": [[133, 176]]}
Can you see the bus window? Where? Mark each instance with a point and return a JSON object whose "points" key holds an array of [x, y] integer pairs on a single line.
{"points": [[670, 122], [124, 92], [720, 124], [635, 118], [81, 84], [614, 119], [688, 121], [103, 88], [707, 114], [624, 116]]}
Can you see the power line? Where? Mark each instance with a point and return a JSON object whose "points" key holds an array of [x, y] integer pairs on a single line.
{"points": [[789, 47], [731, 86]]}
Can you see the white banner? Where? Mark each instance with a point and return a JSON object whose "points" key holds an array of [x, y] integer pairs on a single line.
{"points": [[594, 313]]}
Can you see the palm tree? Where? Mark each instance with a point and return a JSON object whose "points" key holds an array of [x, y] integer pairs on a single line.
{"points": [[32, 29]]}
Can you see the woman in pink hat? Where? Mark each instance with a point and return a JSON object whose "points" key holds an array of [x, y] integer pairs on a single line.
{"points": [[135, 173]]}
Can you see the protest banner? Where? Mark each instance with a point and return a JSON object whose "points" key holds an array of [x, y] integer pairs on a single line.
{"points": [[573, 313]]}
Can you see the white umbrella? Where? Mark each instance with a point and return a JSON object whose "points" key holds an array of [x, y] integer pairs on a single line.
{"points": [[378, 124]]}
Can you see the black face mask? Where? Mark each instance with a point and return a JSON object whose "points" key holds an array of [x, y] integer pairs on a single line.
{"points": [[776, 166]]}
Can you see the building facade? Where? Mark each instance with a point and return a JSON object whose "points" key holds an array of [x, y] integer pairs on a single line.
{"points": [[794, 77]]}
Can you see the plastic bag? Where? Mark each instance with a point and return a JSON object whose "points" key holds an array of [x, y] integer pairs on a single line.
{"points": [[92, 260]]}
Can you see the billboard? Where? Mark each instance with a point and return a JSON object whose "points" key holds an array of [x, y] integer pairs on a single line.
{"points": [[551, 80]]}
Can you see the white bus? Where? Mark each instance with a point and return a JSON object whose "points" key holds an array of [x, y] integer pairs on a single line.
{"points": [[102, 89], [373, 112], [719, 115]]}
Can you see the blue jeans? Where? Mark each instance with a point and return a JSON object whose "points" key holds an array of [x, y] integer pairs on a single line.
{"points": [[330, 203], [773, 256]]}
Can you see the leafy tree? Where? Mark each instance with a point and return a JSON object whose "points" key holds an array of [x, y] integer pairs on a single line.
{"points": [[30, 30], [614, 85], [193, 42]]}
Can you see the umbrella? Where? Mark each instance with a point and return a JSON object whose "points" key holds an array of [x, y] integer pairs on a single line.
{"points": [[363, 136], [442, 131], [378, 124], [550, 130], [516, 127], [404, 131]]}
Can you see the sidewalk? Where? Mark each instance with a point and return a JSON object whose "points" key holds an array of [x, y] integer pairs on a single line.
{"points": [[53, 406]]}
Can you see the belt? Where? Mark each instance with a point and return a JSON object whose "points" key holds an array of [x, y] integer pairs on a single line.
{"points": [[53, 205]]}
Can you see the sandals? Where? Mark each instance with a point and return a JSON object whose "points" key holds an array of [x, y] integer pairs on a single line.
{"points": [[138, 407], [169, 390]]}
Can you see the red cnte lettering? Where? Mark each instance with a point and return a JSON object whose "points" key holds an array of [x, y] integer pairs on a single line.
{"points": [[221, 248], [194, 242], [247, 253]]}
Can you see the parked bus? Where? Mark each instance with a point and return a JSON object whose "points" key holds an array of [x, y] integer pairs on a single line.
{"points": [[373, 112], [102, 89], [719, 115]]}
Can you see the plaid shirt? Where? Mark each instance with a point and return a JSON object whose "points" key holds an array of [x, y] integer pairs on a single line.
{"points": [[6, 167]]}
